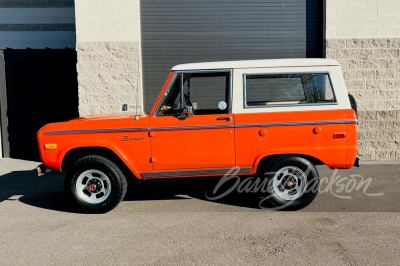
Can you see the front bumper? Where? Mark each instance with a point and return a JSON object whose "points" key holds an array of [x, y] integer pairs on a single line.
{"points": [[42, 169]]}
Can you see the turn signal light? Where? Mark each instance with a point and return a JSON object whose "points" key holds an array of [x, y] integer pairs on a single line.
{"points": [[50, 146], [339, 135]]}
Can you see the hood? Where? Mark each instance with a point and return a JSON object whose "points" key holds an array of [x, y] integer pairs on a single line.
{"points": [[94, 122], [106, 117]]}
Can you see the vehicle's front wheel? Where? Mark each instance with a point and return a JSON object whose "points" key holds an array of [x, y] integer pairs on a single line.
{"points": [[95, 184], [293, 182]]}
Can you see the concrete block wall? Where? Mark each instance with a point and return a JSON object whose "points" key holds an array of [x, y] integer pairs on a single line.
{"points": [[364, 36], [108, 48]]}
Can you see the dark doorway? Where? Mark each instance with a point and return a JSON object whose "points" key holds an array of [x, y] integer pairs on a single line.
{"points": [[42, 88]]}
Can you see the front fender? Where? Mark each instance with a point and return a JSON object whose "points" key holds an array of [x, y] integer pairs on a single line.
{"points": [[117, 152], [131, 153]]}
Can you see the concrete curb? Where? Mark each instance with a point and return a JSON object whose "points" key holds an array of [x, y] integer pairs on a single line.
{"points": [[380, 162]]}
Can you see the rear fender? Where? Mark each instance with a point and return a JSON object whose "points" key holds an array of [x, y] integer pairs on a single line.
{"points": [[265, 156]]}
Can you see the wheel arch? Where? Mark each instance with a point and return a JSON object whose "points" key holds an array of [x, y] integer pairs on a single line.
{"points": [[76, 153], [263, 160]]}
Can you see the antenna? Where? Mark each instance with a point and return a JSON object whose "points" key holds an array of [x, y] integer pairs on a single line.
{"points": [[137, 89]]}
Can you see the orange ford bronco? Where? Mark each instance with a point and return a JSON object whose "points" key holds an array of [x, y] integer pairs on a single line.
{"points": [[276, 118]]}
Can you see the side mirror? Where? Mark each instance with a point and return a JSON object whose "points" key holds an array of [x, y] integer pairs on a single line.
{"points": [[187, 112]]}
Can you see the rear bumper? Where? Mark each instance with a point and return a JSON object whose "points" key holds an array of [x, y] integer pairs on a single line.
{"points": [[356, 162]]}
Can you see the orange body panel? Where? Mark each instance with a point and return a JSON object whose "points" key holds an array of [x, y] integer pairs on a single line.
{"points": [[351, 140], [292, 139], [189, 147], [132, 147]]}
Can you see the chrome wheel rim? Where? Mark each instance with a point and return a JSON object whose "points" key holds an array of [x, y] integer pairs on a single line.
{"points": [[93, 186], [289, 183]]}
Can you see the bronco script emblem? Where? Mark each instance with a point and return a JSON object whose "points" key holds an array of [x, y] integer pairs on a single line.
{"points": [[127, 138]]}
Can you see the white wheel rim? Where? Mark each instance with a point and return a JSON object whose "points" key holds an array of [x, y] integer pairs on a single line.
{"points": [[93, 186], [289, 183]]}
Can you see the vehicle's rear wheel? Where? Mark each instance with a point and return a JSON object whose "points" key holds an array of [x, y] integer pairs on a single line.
{"points": [[293, 182], [95, 184]]}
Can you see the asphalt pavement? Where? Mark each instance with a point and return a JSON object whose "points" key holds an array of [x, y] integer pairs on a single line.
{"points": [[353, 221]]}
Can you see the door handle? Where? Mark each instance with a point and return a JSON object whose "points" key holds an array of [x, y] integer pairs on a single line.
{"points": [[227, 118]]}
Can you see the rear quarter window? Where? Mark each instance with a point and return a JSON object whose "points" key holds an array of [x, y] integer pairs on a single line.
{"points": [[268, 90]]}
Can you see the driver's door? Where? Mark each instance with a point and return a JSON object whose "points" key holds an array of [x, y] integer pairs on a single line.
{"points": [[202, 141]]}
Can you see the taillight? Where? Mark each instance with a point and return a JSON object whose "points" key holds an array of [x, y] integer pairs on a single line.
{"points": [[339, 135]]}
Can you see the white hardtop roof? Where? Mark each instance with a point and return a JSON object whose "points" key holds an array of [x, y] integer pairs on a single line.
{"points": [[303, 62]]}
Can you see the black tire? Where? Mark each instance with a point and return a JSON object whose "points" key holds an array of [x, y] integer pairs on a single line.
{"points": [[275, 165], [116, 188], [353, 103]]}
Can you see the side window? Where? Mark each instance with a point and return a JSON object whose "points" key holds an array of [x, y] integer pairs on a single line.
{"points": [[322, 89], [204, 91], [201, 90], [286, 89]]}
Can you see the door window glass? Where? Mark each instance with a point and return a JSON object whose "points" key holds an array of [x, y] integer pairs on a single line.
{"points": [[204, 91]]}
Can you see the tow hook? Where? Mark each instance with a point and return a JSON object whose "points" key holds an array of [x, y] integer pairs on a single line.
{"points": [[42, 169]]}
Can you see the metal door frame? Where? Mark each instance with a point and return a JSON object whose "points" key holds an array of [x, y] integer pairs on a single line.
{"points": [[4, 144]]}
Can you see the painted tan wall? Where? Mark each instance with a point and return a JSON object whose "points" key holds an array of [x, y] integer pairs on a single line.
{"points": [[108, 47], [362, 19]]}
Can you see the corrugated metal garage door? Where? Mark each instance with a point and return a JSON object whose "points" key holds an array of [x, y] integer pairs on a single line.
{"points": [[185, 31]]}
